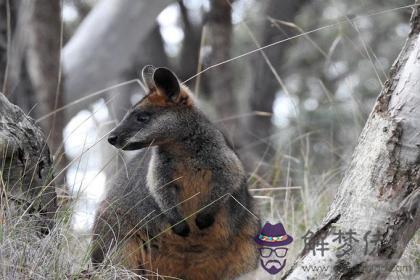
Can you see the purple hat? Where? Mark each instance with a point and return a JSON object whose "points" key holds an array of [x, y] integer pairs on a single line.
{"points": [[273, 236]]}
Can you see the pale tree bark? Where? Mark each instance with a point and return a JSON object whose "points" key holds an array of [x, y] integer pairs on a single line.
{"points": [[380, 191], [26, 174], [105, 46]]}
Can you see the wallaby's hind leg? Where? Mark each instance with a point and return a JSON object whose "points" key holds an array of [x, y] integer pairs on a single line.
{"points": [[96, 256], [128, 253], [101, 243], [132, 255], [112, 240]]}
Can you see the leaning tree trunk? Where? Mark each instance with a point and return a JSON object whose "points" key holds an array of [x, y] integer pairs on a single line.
{"points": [[26, 192], [379, 196], [105, 46]]}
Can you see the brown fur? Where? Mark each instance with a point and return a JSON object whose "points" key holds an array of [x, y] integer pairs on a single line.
{"points": [[156, 98], [193, 188], [204, 256], [212, 253]]}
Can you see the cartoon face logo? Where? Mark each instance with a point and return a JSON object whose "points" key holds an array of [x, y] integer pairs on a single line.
{"points": [[272, 241]]}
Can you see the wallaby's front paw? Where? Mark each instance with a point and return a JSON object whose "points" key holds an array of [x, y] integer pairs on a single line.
{"points": [[182, 229], [204, 220]]}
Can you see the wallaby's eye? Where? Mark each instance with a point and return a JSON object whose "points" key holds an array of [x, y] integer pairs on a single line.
{"points": [[143, 117]]}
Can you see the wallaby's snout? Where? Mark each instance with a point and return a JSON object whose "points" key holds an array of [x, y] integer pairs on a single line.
{"points": [[119, 139], [112, 139]]}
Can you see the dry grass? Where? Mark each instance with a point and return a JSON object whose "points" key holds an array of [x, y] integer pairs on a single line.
{"points": [[25, 253]]}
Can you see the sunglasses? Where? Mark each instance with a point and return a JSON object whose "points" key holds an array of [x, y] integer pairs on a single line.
{"points": [[266, 252]]}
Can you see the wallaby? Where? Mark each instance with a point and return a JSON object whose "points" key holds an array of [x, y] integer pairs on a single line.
{"points": [[180, 207]]}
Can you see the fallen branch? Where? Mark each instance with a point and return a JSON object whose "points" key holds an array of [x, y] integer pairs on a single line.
{"points": [[26, 168]]}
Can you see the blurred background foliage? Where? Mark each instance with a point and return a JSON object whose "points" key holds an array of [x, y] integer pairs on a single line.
{"points": [[293, 110]]}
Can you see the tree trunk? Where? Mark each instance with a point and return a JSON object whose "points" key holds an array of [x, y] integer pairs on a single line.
{"points": [[105, 46], [30, 61], [14, 78], [26, 169], [189, 56], [8, 10], [379, 196], [43, 27], [220, 81], [263, 93]]}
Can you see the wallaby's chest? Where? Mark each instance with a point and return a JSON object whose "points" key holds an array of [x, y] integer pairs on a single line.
{"points": [[190, 180], [193, 187]]}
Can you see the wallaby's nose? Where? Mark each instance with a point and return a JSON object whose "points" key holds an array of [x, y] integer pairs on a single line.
{"points": [[112, 139]]}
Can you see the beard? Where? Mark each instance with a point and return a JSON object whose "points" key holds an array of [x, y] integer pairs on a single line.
{"points": [[273, 266]]}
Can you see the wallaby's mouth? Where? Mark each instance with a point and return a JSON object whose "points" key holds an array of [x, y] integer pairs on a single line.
{"points": [[123, 144], [133, 146]]}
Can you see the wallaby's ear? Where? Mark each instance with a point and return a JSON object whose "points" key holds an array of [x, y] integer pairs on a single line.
{"points": [[147, 75], [166, 82]]}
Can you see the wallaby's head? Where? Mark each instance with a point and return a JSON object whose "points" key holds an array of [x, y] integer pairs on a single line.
{"points": [[159, 117]]}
